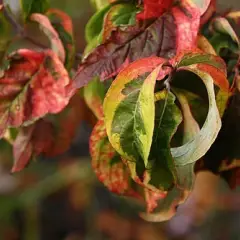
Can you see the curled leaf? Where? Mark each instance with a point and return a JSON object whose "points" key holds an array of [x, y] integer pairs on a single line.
{"points": [[222, 25], [46, 26], [62, 23], [197, 147]]}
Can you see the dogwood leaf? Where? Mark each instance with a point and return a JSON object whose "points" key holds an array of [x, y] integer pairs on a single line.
{"points": [[169, 34], [46, 26], [62, 23], [129, 109], [197, 147], [35, 84], [107, 163]]}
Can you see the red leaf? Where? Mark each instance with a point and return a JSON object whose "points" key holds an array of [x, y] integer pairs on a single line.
{"points": [[209, 13], [170, 34], [107, 164], [35, 84], [50, 137], [34, 139], [187, 27], [154, 8]]}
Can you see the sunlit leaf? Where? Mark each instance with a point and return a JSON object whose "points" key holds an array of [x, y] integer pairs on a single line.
{"points": [[129, 109]]}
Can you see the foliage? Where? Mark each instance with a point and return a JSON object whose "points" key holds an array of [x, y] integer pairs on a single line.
{"points": [[161, 77]]}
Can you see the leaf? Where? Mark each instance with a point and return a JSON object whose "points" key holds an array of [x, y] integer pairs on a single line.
{"points": [[46, 26], [33, 6], [187, 19], [94, 26], [107, 163], [209, 63], [129, 109], [222, 25], [50, 136], [162, 172], [35, 84], [164, 37], [202, 5], [31, 140], [119, 15], [165, 208], [205, 45], [197, 147], [209, 13], [154, 8], [99, 4], [190, 58], [62, 23], [94, 94]]}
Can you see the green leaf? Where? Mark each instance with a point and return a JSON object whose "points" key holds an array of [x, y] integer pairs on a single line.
{"points": [[120, 15], [99, 4], [197, 147], [129, 109], [203, 58], [94, 26], [220, 41], [222, 25], [162, 171], [166, 207], [94, 95], [33, 6]]}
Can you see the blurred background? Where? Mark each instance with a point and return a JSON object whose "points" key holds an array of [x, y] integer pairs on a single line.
{"points": [[60, 199]]}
